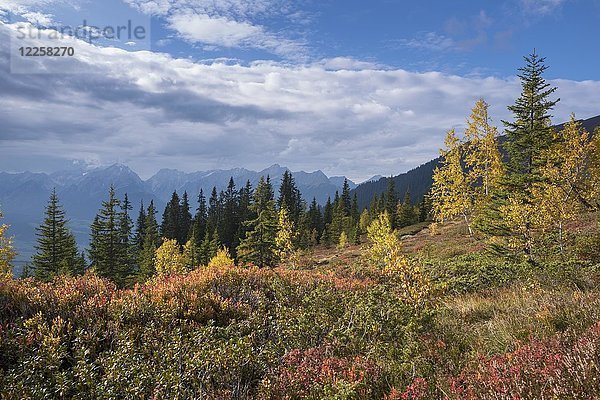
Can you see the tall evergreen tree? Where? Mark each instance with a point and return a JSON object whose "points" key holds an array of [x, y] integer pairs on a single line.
{"points": [[530, 133], [259, 246], [347, 202], [200, 219], [230, 220], [106, 251], [129, 262], [184, 227], [391, 202], [245, 212], [56, 249], [171, 218], [151, 242], [529, 137], [290, 198], [214, 212], [315, 219], [406, 212], [140, 227]]}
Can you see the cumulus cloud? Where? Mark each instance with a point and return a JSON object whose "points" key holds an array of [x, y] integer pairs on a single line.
{"points": [[151, 110], [227, 23]]}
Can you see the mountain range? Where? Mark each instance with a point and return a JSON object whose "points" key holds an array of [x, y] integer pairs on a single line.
{"points": [[81, 190]]}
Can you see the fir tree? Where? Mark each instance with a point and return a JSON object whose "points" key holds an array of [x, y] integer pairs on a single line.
{"points": [[229, 226], [184, 227], [56, 249], [151, 242], [214, 212], [391, 202], [315, 218], [140, 227], [171, 218], [529, 137], [200, 219], [259, 246], [406, 212], [106, 250], [129, 249], [530, 133], [346, 197], [290, 198]]}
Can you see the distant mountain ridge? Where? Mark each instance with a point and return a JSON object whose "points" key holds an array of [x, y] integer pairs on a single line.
{"points": [[418, 181], [81, 190]]}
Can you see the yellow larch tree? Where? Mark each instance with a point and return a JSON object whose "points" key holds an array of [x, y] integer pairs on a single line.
{"points": [[482, 156], [286, 235], [452, 193], [567, 184], [7, 252]]}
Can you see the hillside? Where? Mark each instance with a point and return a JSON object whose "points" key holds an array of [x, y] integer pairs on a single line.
{"points": [[327, 326], [418, 180]]}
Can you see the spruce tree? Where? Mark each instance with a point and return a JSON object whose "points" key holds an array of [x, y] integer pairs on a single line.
{"points": [[529, 136], [391, 202], [129, 249], [184, 227], [171, 218], [530, 133], [56, 249], [245, 213], [200, 218], [230, 220], [406, 212], [214, 212], [146, 268], [259, 246], [140, 227], [290, 198], [106, 250], [315, 218], [346, 201]]}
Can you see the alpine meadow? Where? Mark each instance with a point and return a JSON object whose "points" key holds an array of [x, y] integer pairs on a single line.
{"points": [[471, 273]]}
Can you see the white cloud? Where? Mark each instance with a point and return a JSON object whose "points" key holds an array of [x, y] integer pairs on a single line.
{"points": [[150, 111], [219, 31], [226, 23]]}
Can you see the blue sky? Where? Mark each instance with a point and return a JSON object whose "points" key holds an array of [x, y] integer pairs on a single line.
{"points": [[350, 87]]}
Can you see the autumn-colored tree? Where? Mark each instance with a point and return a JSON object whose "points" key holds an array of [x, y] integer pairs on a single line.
{"points": [[383, 240], [470, 170], [221, 259], [7, 252], [168, 258], [286, 234], [482, 156], [452, 191], [562, 193], [385, 252], [343, 242]]}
